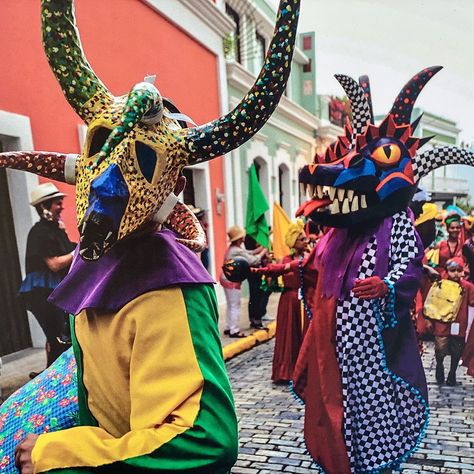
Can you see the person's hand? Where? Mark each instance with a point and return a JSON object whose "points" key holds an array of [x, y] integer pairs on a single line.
{"points": [[370, 288], [23, 454]]}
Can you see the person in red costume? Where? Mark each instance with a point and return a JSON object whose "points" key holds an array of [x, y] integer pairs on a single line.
{"points": [[294, 313]]}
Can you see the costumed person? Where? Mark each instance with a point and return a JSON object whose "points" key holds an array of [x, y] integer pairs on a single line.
{"points": [[450, 306], [425, 225], [48, 258], [157, 399], [294, 312], [232, 286], [359, 371]]}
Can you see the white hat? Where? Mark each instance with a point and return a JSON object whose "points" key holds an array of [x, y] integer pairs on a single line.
{"points": [[44, 192]]}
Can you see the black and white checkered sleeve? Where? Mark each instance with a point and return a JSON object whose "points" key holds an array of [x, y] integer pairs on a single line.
{"points": [[403, 247]]}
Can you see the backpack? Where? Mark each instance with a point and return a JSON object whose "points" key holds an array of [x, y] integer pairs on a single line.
{"points": [[443, 301]]}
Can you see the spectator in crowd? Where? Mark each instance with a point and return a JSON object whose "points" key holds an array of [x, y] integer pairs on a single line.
{"points": [[232, 290], [468, 248], [450, 336], [49, 254], [452, 246], [258, 298]]}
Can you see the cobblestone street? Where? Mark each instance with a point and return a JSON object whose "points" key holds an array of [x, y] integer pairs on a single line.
{"points": [[271, 422]]}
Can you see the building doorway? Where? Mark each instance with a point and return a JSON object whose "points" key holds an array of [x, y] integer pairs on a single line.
{"points": [[14, 328]]}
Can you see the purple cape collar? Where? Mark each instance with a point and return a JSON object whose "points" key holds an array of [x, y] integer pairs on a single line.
{"points": [[129, 269]]}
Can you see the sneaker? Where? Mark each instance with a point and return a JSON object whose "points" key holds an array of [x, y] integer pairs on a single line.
{"points": [[238, 335]]}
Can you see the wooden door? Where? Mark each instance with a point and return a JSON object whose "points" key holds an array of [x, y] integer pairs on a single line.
{"points": [[14, 327]]}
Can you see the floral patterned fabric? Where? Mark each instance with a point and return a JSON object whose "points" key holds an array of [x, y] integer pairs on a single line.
{"points": [[46, 403]]}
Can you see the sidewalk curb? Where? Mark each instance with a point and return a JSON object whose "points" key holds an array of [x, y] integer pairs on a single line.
{"points": [[258, 337]]}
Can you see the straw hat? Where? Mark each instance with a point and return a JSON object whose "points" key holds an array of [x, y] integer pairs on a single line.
{"points": [[44, 192], [235, 233]]}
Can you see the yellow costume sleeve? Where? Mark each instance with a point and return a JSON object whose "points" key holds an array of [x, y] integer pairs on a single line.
{"points": [[143, 383]]}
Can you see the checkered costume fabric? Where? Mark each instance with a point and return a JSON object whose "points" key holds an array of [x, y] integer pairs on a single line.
{"points": [[432, 159], [383, 417]]}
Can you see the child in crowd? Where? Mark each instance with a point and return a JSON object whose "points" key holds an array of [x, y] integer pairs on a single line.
{"points": [[450, 336]]}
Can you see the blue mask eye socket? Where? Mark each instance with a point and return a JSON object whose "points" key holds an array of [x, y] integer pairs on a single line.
{"points": [[147, 159], [98, 140]]}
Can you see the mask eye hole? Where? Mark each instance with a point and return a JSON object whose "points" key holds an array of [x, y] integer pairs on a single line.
{"points": [[99, 137], [147, 159], [387, 154]]}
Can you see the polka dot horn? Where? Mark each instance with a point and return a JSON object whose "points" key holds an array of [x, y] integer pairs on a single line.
{"points": [[243, 122]]}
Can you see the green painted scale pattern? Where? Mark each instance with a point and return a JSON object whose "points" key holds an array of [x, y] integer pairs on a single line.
{"points": [[67, 60]]}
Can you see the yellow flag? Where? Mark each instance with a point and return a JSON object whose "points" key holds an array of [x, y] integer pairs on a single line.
{"points": [[281, 222]]}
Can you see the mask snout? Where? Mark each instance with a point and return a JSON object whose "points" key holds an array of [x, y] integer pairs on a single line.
{"points": [[108, 200]]}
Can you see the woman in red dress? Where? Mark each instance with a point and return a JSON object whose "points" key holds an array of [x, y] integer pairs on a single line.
{"points": [[299, 278]]}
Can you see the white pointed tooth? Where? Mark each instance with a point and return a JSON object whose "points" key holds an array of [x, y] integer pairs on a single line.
{"points": [[334, 207], [350, 194], [363, 201], [311, 190], [319, 191], [82, 252], [340, 194], [332, 193], [345, 207], [326, 190], [355, 204]]}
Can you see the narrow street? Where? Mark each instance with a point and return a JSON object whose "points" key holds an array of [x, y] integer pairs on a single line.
{"points": [[271, 422]]}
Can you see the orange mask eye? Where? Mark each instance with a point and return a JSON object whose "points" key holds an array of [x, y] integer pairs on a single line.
{"points": [[387, 155]]}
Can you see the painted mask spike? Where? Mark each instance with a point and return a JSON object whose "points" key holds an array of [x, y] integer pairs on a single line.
{"points": [[67, 60], [232, 130], [403, 105]]}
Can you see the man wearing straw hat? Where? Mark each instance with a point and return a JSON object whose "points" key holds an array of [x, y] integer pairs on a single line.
{"points": [[48, 258]]}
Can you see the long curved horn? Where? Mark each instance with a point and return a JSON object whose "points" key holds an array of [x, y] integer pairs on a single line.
{"points": [[361, 116], [58, 166], [67, 60], [232, 130], [365, 84], [403, 105], [442, 156]]}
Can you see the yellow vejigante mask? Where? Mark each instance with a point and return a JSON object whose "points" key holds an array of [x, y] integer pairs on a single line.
{"points": [[135, 150]]}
